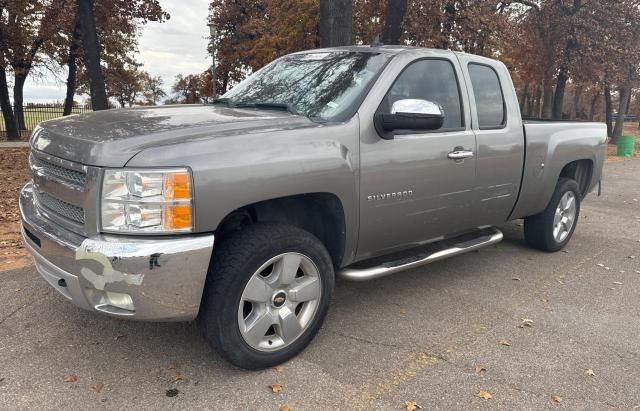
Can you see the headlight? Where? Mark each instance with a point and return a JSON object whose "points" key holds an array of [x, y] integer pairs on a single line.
{"points": [[147, 201]]}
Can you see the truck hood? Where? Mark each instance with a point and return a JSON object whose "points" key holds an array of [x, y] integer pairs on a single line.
{"points": [[111, 138]]}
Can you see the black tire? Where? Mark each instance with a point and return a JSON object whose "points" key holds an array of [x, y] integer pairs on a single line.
{"points": [[234, 262], [538, 229]]}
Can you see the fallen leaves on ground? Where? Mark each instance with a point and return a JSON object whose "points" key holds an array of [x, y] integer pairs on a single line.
{"points": [[173, 366], [411, 406], [14, 173], [590, 372], [284, 408], [526, 323], [120, 335], [276, 387], [556, 398], [97, 387], [172, 392], [279, 368], [485, 395], [180, 377], [71, 378], [516, 279], [506, 342], [617, 283], [479, 369]]}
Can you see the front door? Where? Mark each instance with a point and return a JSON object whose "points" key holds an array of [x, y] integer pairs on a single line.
{"points": [[411, 191]]}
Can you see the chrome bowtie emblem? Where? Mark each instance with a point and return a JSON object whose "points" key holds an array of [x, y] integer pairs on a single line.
{"points": [[279, 299]]}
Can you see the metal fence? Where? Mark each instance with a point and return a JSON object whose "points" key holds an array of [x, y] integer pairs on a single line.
{"points": [[34, 114]]}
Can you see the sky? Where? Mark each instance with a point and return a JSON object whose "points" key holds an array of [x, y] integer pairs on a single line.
{"points": [[166, 49]]}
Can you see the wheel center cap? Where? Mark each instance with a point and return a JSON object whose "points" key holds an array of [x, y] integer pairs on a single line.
{"points": [[279, 299]]}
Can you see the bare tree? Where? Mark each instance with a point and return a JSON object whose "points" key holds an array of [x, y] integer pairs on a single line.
{"points": [[393, 22], [336, 22], [72, 65], [153, 90], [91, 46]]}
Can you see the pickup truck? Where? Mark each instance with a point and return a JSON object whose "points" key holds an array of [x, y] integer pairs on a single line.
{"points": [[352, 162]]}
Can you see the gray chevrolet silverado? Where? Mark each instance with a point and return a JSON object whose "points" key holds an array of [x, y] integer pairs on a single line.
{"points": [[358, 162]]}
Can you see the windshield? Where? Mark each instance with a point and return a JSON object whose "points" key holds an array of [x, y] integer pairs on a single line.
{"points": [[324, 85]]}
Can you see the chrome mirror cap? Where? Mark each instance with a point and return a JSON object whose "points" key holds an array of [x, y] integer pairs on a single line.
{"points": [[417, 106]]}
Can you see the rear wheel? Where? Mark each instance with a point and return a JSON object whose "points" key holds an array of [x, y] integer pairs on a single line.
{"points": [[267, 294], [552, 229]]}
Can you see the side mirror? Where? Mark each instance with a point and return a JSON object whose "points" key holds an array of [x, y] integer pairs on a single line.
{"points": [[411, 114]]}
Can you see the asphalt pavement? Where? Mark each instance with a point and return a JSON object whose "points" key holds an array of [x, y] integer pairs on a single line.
{"points": [[532, 330]]}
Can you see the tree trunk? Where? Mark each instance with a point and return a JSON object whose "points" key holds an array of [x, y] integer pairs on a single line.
{"points": [[87, 20], [547, 99], [529, 106], [575, 107], [393, 20], [225, 82], [537, 105], [624, 100], [72, 63], [608, 110], [594, 102], [524, 96], [558, 97], [18, 100], [336, 22], [13, 133]]}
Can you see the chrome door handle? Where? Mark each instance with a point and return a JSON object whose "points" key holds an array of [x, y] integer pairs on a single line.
{"points": [[460, 155]]}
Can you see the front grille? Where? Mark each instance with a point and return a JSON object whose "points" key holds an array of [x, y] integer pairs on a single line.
{"points": [[61, 208], [48, 168]]}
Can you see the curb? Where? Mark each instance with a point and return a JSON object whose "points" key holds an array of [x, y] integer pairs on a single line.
{"points": [[14, 144]]}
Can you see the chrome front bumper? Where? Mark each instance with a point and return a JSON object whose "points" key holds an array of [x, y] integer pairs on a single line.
{"points": [[141, 278]]}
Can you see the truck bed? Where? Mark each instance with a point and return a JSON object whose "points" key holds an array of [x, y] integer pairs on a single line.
{"points": [[549, 146]]}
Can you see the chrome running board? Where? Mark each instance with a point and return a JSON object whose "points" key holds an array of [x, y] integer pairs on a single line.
{"points": [[488, 237]]}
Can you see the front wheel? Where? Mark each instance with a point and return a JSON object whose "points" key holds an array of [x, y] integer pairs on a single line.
{"points": [[552, 229], [267, 294]]}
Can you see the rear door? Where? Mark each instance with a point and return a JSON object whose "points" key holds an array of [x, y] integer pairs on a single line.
{"points": [[411, 192], [500, 138]]}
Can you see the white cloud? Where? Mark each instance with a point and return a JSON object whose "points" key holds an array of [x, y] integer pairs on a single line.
{"points": [[177, 46]]}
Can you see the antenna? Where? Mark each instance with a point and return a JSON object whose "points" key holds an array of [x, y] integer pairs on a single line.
{"points": [[376, 42]]}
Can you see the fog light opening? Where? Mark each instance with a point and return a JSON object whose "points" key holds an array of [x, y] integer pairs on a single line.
{"points": [[119, 300]]}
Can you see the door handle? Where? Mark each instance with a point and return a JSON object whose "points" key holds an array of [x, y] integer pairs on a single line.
{"points": [[460, 154]]}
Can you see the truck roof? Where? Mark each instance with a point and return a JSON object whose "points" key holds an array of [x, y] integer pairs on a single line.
{"points": [[386, 49], [395, 50]]}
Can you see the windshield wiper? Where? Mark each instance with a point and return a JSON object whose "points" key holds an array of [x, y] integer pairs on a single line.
{"points": [[223, 100], [278, 106]]}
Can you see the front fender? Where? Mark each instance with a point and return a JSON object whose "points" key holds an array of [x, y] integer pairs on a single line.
{"points": [[232, 172]]}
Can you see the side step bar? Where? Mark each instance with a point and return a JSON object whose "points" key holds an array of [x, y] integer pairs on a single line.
{"points": [[491, 237]]}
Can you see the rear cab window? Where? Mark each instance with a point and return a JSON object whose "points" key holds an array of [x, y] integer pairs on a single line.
{"points": [[489, 98]]}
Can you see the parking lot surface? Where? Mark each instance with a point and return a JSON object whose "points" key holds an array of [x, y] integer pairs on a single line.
{"points": [[533, 330]]}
